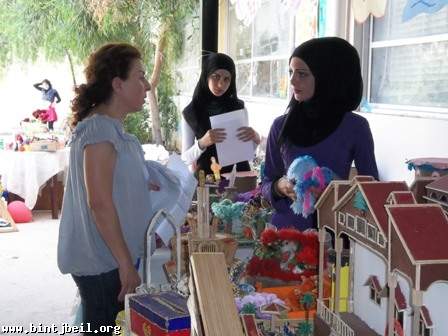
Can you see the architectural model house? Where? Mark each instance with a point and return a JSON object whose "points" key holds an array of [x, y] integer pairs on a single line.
{"points": [[388, 278], [437, 192]]}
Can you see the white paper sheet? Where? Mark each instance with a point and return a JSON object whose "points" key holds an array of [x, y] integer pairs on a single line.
{"points": [[232, 150], [179, 205]]}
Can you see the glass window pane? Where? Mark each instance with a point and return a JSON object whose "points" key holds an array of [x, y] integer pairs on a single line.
{"points": [[186, 80], [243, 79], [270, 78], [411, 75], [391, 26], [240, 37], [191, 38], [271, 30]]}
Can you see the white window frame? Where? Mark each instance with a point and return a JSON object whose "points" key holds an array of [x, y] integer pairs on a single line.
{"points": [[360, 219], [375, 232], [354, 222], [378, 239], [341, 218], [423, 328], [363, 40]]}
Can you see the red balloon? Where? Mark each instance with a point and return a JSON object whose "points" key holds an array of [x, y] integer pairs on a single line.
{"points": [[20, 212]]}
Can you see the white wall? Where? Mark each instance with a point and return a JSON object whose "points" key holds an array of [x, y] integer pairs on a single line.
{"points": [[435, 300], [19, 98], [366, 263], [399, 138], [406, 290]]}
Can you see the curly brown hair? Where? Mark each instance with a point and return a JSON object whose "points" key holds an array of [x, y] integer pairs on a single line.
{"points": [[109, 61]]}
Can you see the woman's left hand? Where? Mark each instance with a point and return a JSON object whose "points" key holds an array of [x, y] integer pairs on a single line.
{"points": [[153, 186], [248, 134]]}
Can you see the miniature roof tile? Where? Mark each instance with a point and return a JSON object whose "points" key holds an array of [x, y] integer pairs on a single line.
{"points": [[403, 197], [373, 280], [426, 316], [377, 194], [440, 184], [400, 300], [423, 228]]}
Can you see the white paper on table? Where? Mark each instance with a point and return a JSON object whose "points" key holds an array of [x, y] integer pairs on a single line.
{"points": [[232, 150], [180, 203]]}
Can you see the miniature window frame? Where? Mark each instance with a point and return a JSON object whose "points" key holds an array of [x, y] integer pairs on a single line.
{"points": [[351, 222], [373, 230], [361, 223], [399, 314], [341, 218], [374, 295], [381, 240], [423, 329]]}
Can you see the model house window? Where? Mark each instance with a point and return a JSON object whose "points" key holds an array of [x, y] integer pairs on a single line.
{"points": [[423, 330], [371, 232], [381, 240], [374, 295], [341, 218], [407, 61], [351, 222], [361, 225], [399, 315]]}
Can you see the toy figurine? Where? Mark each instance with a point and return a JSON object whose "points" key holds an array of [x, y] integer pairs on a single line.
{"points": [[216, 168]]}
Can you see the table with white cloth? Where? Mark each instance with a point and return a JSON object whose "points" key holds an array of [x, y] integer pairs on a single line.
{"points": [[25, 173]]}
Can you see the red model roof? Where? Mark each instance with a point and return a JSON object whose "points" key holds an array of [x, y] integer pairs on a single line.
{"points": [[440, 184], [377, 194], [403, 197], [373, 281], [400, 300], [424, 229]]}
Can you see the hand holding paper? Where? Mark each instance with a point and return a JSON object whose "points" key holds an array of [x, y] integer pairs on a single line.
{"points": [[232, 149]]}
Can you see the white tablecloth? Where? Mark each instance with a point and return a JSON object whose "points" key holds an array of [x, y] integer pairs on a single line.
{"points": [[24, 173]]}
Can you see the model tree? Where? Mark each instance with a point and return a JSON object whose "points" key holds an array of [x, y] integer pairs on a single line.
{"points": [[360, 203]]}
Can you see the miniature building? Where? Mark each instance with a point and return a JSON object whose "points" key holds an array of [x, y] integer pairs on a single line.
{"points": [[437, 192], [396, 265]]}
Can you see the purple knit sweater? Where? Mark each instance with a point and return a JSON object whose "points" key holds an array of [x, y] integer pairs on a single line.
{"points": [[351, 141]]}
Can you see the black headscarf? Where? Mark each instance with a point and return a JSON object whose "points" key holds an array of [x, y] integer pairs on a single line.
{"points": [[336, 68], [205, 104]]}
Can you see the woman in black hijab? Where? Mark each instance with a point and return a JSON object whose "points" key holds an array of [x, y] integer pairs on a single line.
{"points": [[215, 93], [325, 77]]}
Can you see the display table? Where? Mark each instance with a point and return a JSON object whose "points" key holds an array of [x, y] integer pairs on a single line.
{"points": [[25, 173]]}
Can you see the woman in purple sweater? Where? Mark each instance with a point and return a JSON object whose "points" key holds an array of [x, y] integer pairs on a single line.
{"points": [[325, 76]]}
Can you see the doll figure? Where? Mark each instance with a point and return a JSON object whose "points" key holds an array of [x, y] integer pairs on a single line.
{"points": [[215, 168]]}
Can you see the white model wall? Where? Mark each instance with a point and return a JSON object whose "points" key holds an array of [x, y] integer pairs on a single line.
{"points": [[435, 300], [406, 290], [366, 263]]}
